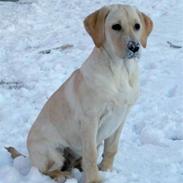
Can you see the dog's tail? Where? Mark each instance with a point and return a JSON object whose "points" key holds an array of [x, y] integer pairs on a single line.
{"points": [[13, 152]]}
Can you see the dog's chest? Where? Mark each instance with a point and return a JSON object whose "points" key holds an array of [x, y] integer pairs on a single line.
{"points": [[121, 92], [122, 86], [110, 120]]}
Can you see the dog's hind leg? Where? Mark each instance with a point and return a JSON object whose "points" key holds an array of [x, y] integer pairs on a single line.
{"points": [[48, 161]]}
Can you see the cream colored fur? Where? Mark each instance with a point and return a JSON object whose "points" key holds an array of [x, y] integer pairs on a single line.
{"points": [[92, 105]]}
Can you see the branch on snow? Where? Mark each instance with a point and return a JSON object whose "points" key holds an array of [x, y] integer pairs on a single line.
{"points": [[173, 45], [60, 48], [9, 0], [11, 84]]}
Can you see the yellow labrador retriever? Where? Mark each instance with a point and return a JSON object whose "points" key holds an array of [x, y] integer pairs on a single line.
{"points": [[91, 106]]}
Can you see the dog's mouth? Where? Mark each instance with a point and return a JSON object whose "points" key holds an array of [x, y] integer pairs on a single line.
{"points": [[131, 54]]}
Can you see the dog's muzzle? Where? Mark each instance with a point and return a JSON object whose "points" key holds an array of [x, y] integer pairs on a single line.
{"points": [[133, 49]]}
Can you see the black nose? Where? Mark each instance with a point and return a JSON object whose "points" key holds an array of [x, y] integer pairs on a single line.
{"points": [[133, 46]]}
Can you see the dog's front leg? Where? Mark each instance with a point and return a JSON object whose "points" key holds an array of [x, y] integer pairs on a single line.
{"points": [[110, 150], [89, 151]]}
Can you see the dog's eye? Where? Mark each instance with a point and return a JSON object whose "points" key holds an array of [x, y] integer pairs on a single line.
{"points": [[137, 26], [116, 27]]}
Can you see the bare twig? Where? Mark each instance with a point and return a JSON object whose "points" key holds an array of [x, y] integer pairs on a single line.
{"points": [[13, 152], [45, 51], [9, 0], [11, 84], [173, 45], [60, 48], [25, 3], [64, 47]]}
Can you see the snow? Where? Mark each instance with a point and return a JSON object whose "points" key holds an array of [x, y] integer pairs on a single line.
{"points": [[22, 164], [151, 146]]}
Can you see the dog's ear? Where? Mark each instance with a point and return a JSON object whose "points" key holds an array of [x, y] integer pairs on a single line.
{"points": [[147, 26], [95, 25]]}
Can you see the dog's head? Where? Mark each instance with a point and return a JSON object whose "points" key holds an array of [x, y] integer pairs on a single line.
{"points": [[120, 29]]}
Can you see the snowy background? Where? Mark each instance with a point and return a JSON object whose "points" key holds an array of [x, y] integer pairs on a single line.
{"points": [[151, 146]]}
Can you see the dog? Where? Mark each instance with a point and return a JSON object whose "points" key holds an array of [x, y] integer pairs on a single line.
{"points": [[92, 104]]}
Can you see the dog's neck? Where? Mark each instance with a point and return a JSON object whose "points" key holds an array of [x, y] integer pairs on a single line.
{"points": [[101, 61], [109, 77]]}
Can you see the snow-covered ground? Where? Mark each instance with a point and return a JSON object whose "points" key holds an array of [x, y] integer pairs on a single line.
{"points": [[151, 146]]}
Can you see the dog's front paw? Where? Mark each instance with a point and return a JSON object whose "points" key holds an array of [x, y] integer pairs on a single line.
{"points": [[95, 180], [105, 166]]}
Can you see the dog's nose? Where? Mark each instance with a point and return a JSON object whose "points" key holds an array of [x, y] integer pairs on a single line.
{"points": [[133, 46]]}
